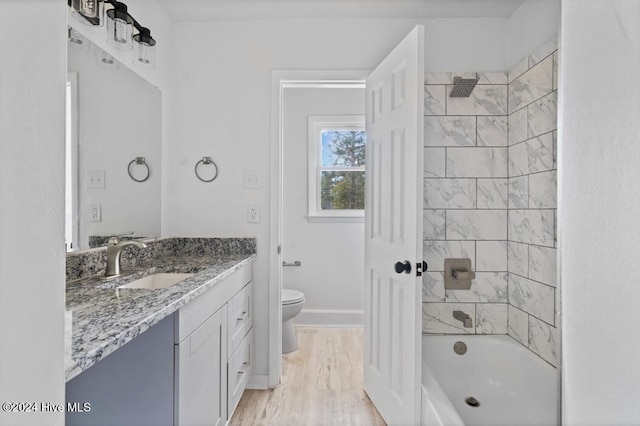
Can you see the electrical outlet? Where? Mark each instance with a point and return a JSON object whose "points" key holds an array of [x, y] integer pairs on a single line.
{"points": [[95, 212], [253, 213], [95, 179]]}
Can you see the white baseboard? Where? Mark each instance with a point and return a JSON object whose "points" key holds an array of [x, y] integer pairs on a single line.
{"points": [[329, 318], [258, 381]]}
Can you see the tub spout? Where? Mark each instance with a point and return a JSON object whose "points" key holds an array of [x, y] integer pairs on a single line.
{"points": [[465, 318]]}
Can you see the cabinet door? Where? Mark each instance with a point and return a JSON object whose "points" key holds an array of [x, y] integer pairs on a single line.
{"points": [[201, 395]]}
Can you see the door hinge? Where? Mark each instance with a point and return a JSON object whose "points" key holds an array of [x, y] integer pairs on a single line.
{"points": [[279, 249]]}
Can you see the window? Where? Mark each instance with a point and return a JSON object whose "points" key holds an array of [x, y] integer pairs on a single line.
{"points": [[336, 168]]}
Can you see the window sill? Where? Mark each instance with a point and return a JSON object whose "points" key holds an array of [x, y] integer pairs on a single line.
{"points": [[335, 219]]}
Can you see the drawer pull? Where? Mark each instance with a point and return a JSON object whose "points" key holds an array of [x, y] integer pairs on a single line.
{"points": [[242, 316], [243, 369]]}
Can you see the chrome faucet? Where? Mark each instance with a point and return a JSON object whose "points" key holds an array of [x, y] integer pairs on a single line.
{"points": [[465, 318], [114, 250]]}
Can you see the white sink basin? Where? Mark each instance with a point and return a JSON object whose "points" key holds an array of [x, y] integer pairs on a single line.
{"points": [[162, 280]]}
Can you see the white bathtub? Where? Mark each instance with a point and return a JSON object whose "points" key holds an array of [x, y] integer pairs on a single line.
{"points": [[514, 386]]}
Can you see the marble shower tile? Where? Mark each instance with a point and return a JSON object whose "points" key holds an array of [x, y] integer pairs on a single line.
{"points": [[555, 71], [491, 318], [477, 224], [543, 190], [555, 228], [498, 77], [477, 162], [488, 287], [554, 136], [486, 99], [491, 256], [518, 258], [534, 298], [433, 224], [433, 287], [543, 264], [519, 68], [434, 162], [518, 126], [438, 318], [518, 325], [532, 156], [519, 192], [542, 115], [544, 51], [438, 78], [435, 252], [532, 85], [492, 130], [449, 131], [532, 227], [542, 340], [434, 99], [449, 193], [492, 193]]}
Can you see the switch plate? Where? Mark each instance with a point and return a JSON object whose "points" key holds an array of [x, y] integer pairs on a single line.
{"points": [[95, 178], [253, 213], [95, 212], [252, 179]]}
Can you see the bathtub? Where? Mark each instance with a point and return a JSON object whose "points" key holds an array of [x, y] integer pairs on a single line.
{"points": [[512, 385]]}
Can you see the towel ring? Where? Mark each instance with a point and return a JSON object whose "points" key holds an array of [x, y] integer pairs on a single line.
{"points": [[139, 160], [206, 160]]}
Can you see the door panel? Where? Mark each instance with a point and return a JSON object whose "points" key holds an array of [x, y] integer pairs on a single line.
{"points": [[393, 232]]}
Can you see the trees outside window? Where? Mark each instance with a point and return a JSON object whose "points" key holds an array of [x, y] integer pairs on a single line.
{"points": [[336, 167], [342, 189]]}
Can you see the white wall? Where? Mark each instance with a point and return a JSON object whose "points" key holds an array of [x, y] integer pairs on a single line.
{"points": [[332, 254], [530, 26], [119, 119], [32, 107], [599, 208], [219, 104]]}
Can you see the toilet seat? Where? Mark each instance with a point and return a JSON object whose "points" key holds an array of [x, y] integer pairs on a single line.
{"points": [[290, 297]]}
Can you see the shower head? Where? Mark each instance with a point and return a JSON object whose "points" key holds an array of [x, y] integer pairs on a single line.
{"points": [[462, 87]]}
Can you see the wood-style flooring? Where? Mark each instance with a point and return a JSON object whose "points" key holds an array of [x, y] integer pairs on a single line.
{"points": [[321, 384]]}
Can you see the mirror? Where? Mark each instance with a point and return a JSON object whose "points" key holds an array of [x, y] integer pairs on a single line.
{"points": [[113, 118]]}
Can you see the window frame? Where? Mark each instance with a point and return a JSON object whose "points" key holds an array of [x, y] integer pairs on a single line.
{"points": [[317, 124]]}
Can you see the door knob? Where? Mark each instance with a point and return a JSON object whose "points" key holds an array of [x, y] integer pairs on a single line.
{"points": [[401, 267]]}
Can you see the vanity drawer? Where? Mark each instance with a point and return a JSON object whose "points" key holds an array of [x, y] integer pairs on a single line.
{"points": [[238, 373], [240, 317], [194, 313]]}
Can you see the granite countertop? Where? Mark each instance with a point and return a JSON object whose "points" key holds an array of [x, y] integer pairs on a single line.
{"points": [[101, 318]]}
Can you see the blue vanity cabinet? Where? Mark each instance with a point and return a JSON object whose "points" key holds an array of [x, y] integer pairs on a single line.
{"points": [[131, 386]]}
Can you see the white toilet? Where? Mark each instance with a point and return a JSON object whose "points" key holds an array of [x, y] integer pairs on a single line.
{"points": [[292, 302]]}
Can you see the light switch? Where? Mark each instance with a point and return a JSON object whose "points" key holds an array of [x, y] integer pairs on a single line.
{"points": [[95, 178], [252, 179]]}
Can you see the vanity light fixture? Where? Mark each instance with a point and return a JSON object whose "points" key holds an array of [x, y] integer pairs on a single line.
{"points": [[88, 11], [77, 41], [121, 28], [145, 54], [106, 61]]}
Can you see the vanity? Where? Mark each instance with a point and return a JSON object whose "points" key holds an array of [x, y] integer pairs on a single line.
{"points": [[176, 354]]}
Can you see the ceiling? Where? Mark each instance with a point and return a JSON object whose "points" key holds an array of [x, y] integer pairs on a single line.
{"points": [[243, 10]]}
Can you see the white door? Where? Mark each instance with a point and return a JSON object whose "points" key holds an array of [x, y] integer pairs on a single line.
{"points": [[393, 232]]}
